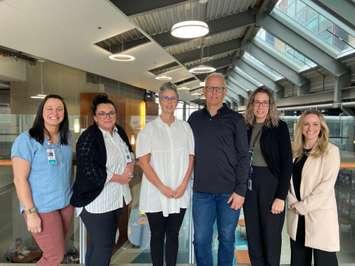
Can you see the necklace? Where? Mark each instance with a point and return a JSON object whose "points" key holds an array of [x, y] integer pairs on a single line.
{"points": [[306, 152]]}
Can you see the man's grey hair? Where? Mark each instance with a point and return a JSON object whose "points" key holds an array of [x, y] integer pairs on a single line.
{"points": [[219, 75], [168, 86]]}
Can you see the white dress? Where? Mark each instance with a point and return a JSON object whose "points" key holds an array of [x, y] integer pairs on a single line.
{"points": [[170, 147]]}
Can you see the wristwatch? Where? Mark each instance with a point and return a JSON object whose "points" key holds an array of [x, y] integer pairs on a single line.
{"points": [[31, 210]]}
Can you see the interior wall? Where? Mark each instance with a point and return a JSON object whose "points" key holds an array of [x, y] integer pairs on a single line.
{"points": [[57, 79]]}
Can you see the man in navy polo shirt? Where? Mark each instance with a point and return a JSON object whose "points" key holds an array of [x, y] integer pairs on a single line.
{"points": [[220, 173]]}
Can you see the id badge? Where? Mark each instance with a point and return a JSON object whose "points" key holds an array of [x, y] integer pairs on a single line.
{"points": [[128, 155], [51, 157]]}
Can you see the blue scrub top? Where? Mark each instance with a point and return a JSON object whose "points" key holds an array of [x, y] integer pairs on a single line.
{"points": [[49, 182]]}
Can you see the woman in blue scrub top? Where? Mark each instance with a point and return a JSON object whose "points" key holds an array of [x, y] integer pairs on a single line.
{"points": [[41, 160]]}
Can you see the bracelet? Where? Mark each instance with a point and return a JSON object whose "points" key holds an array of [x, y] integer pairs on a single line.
{"points": [[31, 210]]}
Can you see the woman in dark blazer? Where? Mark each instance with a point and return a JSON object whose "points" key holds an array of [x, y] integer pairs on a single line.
{"points": [[104, 169], [271, 168]]}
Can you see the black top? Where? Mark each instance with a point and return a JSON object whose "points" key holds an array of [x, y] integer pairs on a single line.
{"points": [[221, 151], [297, 172], [275, 145], [91, 165], [296, 179]]}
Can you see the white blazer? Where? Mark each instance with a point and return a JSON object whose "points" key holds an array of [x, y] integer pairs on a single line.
{"points": [[318, 203]]}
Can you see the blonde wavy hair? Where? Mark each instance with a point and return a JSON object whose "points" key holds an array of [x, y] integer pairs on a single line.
{"points": [[299, 141], [272, 118]]}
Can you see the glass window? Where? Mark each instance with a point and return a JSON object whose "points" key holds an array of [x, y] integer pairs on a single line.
{"points": [[269, 72], [288, 55], [246, 76], [308, 19]]}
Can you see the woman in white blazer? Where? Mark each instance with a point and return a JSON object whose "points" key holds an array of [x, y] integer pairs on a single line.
{"points": [[312, 218]]}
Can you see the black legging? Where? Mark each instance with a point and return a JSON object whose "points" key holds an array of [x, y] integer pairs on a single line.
{"points": [[164, 230], [101, 230]]}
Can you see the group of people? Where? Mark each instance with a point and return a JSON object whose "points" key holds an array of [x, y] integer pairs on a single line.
{"points": [[234, 161]]}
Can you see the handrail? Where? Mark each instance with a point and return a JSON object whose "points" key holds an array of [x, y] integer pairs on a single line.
{"points": [[347, 165], [5, 163]]}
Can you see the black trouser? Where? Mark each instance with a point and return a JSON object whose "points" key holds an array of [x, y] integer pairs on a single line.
{"points": [[101, 229], [164, 230], [264, 229], [302, 256]]}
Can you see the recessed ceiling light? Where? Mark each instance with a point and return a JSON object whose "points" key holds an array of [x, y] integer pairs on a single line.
{"points": [[202, 69], [163, 77], [38, 96], [189, 29], [196, 94], [122, 57]]}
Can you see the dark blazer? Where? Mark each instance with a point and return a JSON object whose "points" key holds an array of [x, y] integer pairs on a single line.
{"points": [[91, 165], [275, 145]]}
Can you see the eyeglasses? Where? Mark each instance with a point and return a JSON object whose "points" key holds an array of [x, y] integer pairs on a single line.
{"points": [[167, 98], [104, 115], [261, 104], [214, 88]]}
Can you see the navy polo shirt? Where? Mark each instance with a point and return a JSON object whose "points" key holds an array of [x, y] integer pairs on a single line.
{"points": [[221, 151]]}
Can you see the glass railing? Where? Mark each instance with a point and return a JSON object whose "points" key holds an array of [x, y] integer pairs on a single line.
{"points": [[16, 244]]}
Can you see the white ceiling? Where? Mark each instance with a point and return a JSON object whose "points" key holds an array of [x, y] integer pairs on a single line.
{"points": [[65, 32]]}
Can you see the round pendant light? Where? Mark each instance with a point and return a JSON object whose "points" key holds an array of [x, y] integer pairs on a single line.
{"points": [[189, 29], [122, 57], [202, 69]]}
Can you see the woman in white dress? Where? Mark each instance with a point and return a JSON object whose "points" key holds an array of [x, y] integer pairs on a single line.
{"points": [[165, 150]]}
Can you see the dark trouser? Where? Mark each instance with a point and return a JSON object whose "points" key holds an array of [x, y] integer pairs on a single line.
{"points": [[264, 229], [164, 232], [302, 256], [101, 230]]}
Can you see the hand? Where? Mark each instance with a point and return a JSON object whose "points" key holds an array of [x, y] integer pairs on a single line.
{"points": [[278, 206], [236, 201], [125, 177], [33, 222], [130, 168], [180, 190], [167, 191], [292, 206]]}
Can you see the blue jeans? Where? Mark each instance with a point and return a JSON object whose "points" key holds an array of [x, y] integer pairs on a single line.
{"points": [[206, 208]]}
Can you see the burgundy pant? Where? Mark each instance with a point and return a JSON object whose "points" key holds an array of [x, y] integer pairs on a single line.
{"points": [[51, 240]]}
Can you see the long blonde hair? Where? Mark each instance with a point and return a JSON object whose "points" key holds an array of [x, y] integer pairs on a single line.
{"points": [[299, 141], [272, 118]]}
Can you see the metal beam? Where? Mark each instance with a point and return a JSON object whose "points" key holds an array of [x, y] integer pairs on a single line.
{"points": [[277, 65], [341, 9], [231, 99], [213, 50], [216, 26], [246, 80], [251, 70], [243, 83], [301, 44], [246, 76], [134, 7], [217, 63], [340, 83], [235, 94], [235, 88]]}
